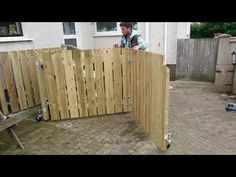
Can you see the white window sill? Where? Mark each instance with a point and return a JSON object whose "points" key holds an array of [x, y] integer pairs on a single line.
{"points": [[106, 35], [15, 39]]}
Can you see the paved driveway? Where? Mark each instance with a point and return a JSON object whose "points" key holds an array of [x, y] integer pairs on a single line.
{"points": [[197, 119]]}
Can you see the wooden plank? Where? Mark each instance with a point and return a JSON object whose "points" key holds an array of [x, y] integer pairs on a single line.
{"points": [[155, 97], [26, 78], [10, 83], [224, 78], [117, 80], [81, 90], [143, 88], [32, 57], [165, 110], [125, 79], [108, 81], [149, 92], [99, 61], [132, 82], [135, 61], [43, 91], [3, 101], [10, 122], [50, 84], [59, 72], [128, 71], [90, 82], [70, 82], [18, 79], [161, 104]]}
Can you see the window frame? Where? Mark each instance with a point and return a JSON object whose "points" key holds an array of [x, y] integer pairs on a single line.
{"points": [[118, 32], [15, 35], [72, 36], [110, 33]]}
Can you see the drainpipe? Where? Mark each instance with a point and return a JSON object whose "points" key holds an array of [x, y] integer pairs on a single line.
{"points": [[147, 34], [165, 43]]}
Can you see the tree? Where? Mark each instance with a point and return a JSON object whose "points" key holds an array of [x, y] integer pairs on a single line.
{"points": [[208, 29]]}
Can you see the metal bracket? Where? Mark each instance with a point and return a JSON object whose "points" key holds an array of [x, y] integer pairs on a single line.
{"points": [[130, 59], [168, 140]]}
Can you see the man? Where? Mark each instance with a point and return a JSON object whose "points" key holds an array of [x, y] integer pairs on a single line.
{"points": [[130, 38]]}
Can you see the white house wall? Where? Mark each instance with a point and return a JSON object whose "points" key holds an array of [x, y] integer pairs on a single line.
{"points": [[171, 43], [43, 34]]}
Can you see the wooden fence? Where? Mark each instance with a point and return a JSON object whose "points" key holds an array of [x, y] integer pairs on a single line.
{"points": [[196, 59], [18, 81], [73, 83], [98, 82], [150, 94]]}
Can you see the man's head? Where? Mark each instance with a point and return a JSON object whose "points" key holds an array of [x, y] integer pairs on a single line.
{"points": [[126, 28]]}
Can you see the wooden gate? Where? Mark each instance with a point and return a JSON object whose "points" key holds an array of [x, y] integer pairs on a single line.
{"points": [[75, 84]]}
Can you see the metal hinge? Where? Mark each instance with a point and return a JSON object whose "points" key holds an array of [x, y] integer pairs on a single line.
{"points": [[168, 140]]}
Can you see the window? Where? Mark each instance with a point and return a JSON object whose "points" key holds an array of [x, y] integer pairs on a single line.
{"points": [[71, 42], [8, 29], [69, 28], [70, 34], [111, 27], [106, 26]]}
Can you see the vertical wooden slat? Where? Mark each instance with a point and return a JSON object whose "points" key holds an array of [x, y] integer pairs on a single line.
{"points": [[142, 104], [3, 101], [99, 82], [108, 81], [33, 74], [132, 83], [135, 74], [77, 55], [129, 87], [125, 79], [148, 86], [70, 82], [90, 83], [18, 79], [42, 85], [26, 78], [164, 109], [51, 85], [117, 80], [59, 72], [11, 87]]}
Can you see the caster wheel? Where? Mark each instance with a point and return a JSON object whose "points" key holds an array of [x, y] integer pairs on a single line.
{"points": [[39, 118]]}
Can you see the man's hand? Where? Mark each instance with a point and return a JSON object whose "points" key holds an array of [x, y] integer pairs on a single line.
{"points": [[137, 47], [116, 45]]}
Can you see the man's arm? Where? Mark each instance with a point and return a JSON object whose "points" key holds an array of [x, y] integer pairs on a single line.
{"points": [[142, 44]]}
